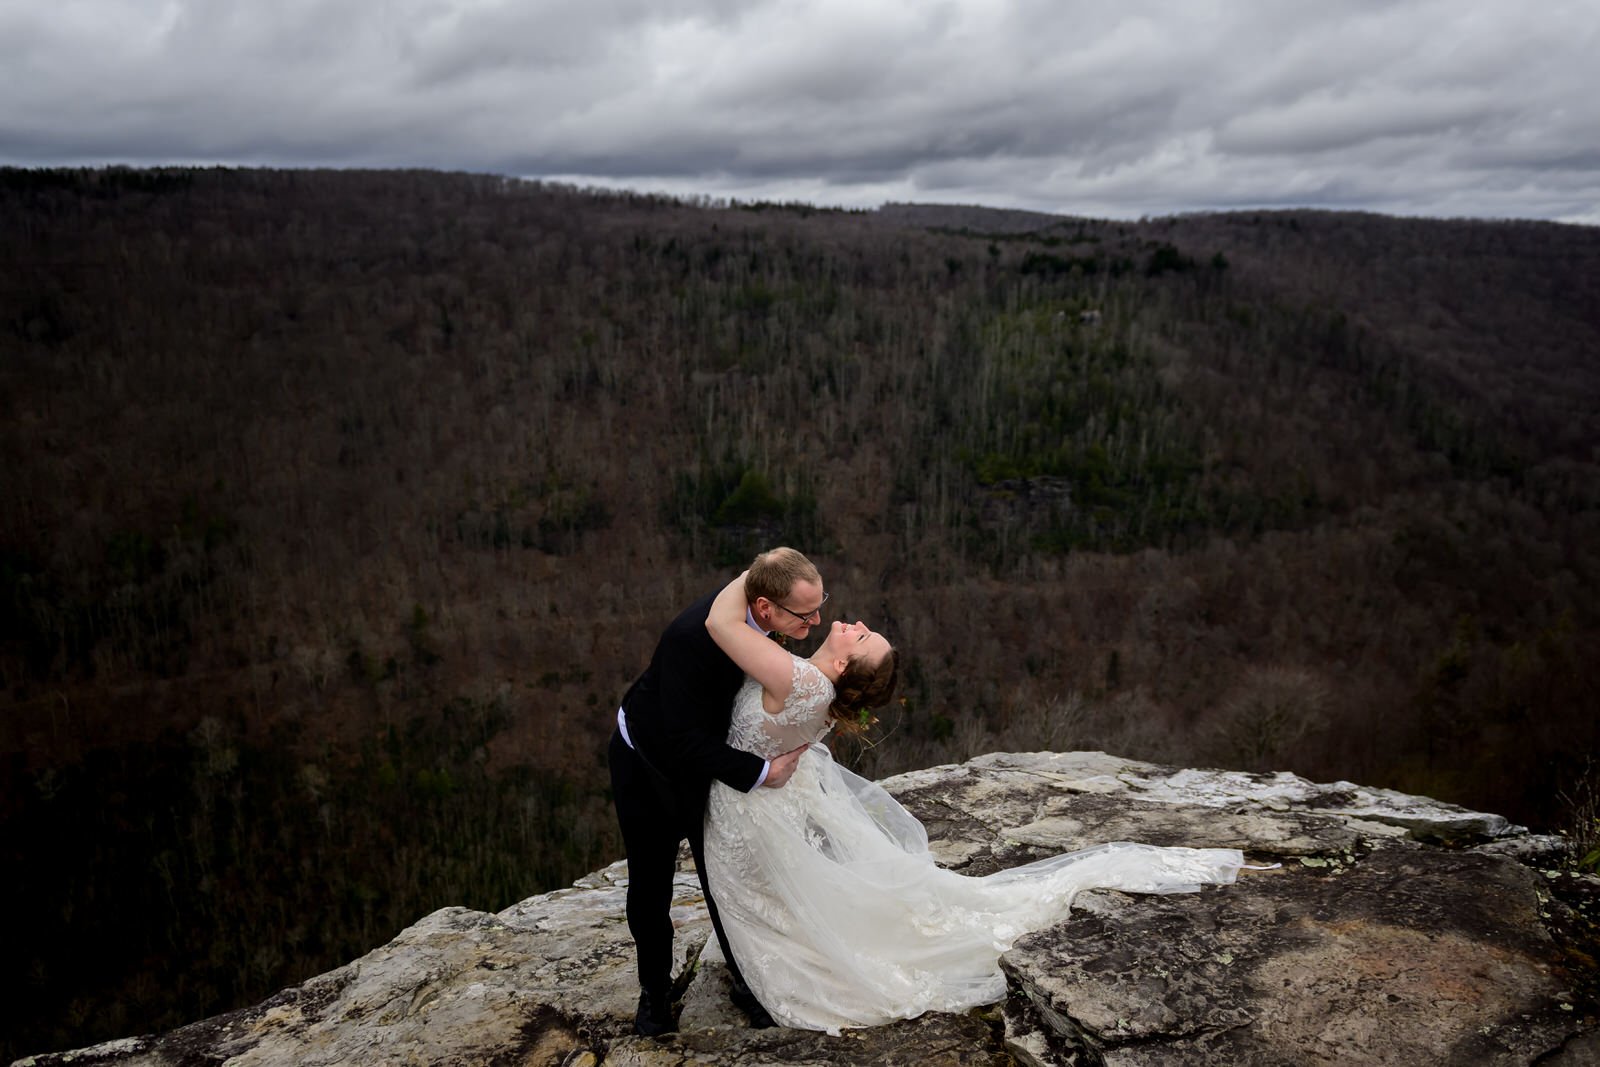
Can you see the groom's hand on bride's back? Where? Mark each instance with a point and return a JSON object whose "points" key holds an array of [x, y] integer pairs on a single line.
{"points": [[782, 767]]}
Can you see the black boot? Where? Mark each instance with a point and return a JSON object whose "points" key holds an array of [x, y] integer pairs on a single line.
{"points": [[654, 1016], [745, 1001]]}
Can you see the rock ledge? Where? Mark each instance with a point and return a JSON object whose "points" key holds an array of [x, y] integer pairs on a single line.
{"points": [[1399, 930]]}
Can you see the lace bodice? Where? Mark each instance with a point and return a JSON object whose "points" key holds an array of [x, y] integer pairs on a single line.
{"points": [[802, 720]]}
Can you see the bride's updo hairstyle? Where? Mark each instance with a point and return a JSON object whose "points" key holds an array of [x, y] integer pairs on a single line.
{"points": [[862, 687]]}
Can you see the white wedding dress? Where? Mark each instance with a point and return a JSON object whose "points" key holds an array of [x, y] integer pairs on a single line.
{"points": [[835, 908]]}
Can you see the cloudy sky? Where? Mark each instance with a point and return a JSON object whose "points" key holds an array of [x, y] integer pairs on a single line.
{"points": [[1121, 108]]}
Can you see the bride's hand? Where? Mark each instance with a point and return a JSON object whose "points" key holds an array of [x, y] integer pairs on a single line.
{"points": [[782, 767]]}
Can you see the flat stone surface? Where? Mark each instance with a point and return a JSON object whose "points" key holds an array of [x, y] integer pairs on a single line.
{"points": [[1406, 956]]}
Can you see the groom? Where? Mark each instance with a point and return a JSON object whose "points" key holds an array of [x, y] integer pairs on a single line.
{"points": [[670, 742]]}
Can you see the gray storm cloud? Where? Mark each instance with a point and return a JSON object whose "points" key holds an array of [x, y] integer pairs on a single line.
{"points": [[1149, 108]]}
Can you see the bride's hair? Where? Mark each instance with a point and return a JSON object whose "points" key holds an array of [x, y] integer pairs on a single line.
{"points": [[862, 687]]}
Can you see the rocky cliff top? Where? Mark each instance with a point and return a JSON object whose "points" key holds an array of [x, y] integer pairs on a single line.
{"points": [[1399, 930]]}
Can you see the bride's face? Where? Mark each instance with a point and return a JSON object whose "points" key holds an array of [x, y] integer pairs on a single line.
{"points": [[847, 640]]}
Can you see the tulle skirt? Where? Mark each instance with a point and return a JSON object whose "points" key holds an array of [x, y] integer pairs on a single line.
{"points": [[839, 916]]}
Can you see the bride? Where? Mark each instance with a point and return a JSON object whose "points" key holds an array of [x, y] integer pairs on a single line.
{"points": [[828, 894]]}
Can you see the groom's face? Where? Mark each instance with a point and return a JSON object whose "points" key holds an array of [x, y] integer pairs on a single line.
{"points": [[795, 614]]}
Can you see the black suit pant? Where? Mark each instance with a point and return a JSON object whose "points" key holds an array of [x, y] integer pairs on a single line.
{"points": [[655, 819]]}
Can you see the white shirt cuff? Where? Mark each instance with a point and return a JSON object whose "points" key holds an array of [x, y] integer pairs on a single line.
{"points": [[765, 767]]}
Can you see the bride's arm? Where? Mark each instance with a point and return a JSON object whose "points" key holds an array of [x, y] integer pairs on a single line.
{"points": [[759, 657]]}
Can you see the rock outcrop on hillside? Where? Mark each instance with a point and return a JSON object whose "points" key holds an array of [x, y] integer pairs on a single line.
{"points": [[1397, 931]]}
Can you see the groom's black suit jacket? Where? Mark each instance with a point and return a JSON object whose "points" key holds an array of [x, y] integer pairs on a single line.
{"points": [[678, 713]]}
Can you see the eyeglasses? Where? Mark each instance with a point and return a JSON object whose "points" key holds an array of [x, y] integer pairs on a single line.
{"points": [[816, 611]]}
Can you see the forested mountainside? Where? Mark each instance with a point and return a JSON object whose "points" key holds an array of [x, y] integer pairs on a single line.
{"points": [[339, 508]]}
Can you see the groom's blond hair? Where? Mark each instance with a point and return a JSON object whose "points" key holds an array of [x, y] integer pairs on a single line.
{"points": [[774, 572]]}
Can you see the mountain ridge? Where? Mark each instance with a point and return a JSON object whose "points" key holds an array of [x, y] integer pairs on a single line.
{"points": [[340, 507]]}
